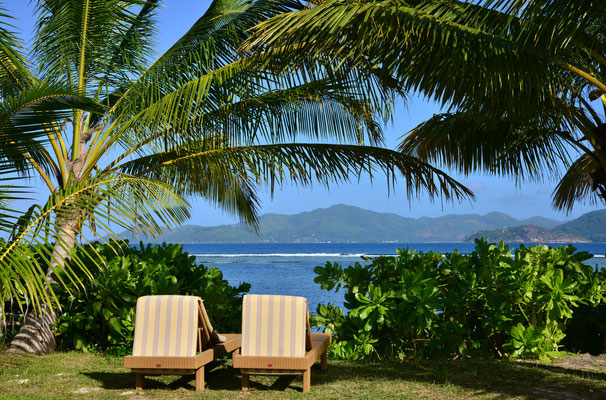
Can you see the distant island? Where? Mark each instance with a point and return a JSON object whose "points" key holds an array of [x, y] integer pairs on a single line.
{"points": [[343, 223], [527, 234], [591, 225]]}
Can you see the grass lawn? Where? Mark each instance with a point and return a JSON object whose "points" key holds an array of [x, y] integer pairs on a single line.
{"points": [[79, 376]]}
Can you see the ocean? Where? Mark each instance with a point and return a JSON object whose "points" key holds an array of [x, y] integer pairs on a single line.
{"points": [[288, 268]]}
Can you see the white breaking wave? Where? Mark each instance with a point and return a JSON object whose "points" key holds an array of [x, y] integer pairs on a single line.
{"points": [[357, 255], [343, 255]]}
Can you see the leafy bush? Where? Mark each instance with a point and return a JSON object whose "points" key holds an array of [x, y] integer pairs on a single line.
{"points": [[102, 316], [487, 303]]}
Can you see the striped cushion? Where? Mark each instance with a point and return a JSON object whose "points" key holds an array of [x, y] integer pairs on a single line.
{"points": [[166, 326], [274, 326]]}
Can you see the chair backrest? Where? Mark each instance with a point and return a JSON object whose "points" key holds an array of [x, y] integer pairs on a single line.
{"points": [[166, 326], [274, 326], [208, 336]]}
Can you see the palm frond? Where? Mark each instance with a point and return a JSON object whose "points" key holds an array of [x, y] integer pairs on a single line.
{"points": [[555, 25], [203, 170], [88, 39], [583, 182], [209, 45], [424, 48], [26, 118], [131, 54], [102, 203], [14, 75], [472, 142], [321, 109]]}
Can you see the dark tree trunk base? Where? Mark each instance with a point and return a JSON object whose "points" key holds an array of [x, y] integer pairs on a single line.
{"points": [[36, 334]]}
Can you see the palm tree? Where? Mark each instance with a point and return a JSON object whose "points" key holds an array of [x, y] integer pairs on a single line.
{"points": [[26, 111], [23, 118], [200, 119], [523, 81]]}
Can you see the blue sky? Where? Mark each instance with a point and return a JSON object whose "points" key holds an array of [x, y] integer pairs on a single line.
{"points": [[493, 194]]}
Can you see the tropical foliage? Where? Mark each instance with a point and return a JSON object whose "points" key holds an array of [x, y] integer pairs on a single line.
{"points": [[522, 81], [199, 119], [101, 318], [494, 302]]}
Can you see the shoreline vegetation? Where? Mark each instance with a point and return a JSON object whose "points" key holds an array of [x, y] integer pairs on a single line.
{"points": [[494, 301], [91, 371]]}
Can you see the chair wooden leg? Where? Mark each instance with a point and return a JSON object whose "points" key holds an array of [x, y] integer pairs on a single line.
{"points": [[306, 380], [200, 379], [139, 378], [245, 382], [324, 361]]}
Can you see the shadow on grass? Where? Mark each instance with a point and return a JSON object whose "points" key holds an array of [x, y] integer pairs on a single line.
{"points": [[218, 376], [280, 383], [576, 372], [500, 379], [503, 379]]}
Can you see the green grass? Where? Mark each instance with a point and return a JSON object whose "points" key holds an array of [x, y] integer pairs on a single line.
{"points": [[82, 376]]}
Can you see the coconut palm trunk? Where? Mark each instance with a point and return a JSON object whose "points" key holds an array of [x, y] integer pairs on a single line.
{"points": [[25, 116], [36, 334]]}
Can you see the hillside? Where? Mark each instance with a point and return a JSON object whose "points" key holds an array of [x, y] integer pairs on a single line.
{"points": [[541, 221], [342, 223], [527, 234], [591, 225]]}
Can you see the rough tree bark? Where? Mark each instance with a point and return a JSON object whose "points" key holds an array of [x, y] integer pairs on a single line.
{"points": [[37, 335], [2, 323]]}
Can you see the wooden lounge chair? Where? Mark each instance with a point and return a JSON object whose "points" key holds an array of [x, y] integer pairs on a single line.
{"points": [[173, 336], [276, 339]]}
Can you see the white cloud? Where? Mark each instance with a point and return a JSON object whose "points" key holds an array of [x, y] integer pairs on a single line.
{"points": [[476, 186], [544, 189], [515, 198]]}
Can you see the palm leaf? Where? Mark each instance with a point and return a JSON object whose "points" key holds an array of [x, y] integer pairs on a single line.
{"points": [[26, 118], [103, 203], [77, 41], [472, 142], [210, 169], [14, 75], [423, 47], [584, 181]]}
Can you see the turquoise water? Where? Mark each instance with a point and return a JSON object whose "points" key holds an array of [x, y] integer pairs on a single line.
{"points": [[287, 268]]}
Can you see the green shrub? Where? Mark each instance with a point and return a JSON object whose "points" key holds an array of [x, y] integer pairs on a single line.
{"points": [[487, 303], [102, 316]]}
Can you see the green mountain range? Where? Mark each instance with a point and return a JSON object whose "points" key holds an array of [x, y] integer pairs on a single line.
{"points": [[591, 225], [342, 223]]}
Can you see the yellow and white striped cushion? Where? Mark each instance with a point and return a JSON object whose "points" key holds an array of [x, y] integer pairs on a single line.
{"points": [[166, 326], [274, 326]]}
